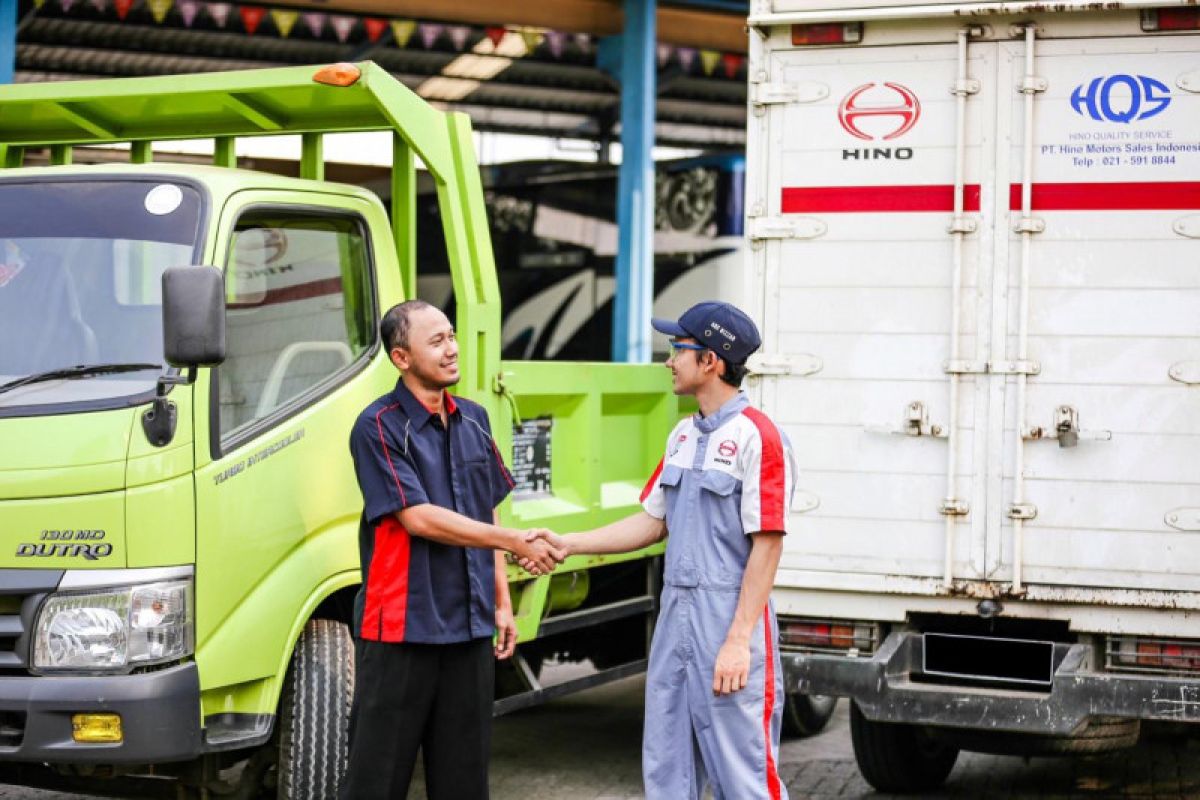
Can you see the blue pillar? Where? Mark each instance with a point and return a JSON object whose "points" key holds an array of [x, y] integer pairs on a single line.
{"points": [[8, 40], [635, 186]]}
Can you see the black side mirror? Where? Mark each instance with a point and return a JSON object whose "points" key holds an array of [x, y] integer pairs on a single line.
{"points": [[193, 306]]}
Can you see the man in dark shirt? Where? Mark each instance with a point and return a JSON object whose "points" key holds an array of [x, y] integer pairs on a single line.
{"points": [[434, 586]]}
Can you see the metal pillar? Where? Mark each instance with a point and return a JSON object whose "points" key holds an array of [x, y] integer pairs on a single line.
{"points": [[635, 186], [8, 40]]}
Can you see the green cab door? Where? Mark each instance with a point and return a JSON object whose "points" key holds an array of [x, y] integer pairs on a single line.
{"points": [[277, 502]]}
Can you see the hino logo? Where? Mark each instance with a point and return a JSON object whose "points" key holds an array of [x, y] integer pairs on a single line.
{"points": [[878, 154], [899, 103]]}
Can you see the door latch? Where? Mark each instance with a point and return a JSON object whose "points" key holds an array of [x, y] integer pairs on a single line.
{"points": [[916, 423], [1066, 429]]}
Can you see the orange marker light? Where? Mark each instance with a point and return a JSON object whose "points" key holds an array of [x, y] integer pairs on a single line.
{"points": [[338, 75]]}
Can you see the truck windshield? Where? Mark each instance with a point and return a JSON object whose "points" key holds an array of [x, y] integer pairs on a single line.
{"points": [[81, 265]]}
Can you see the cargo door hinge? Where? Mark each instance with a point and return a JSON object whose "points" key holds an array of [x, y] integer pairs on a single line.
{"points": [[771, 94], [799, 364], [953, 507], [1189, 81], [763, 228], [1015, 368], [1183, 519], [1022, 511]]}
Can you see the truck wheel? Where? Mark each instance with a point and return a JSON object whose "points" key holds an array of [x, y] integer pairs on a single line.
{"points": [[899, 758], [314, 713], [807, 714]]}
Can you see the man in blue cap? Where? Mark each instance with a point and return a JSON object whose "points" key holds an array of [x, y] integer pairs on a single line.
{"points": [[714, 688]]}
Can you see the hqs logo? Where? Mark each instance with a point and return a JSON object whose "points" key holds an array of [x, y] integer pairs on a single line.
{"points": [[1136, 97]]}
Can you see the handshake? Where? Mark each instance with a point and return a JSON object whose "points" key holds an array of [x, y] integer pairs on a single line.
{"points": [[539, 550]]}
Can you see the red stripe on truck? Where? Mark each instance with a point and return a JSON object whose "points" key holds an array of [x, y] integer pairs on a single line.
{"points": [[1109, 196], [1164, 196], [848, 199]]}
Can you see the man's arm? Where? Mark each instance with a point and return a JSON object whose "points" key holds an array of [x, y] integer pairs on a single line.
{"points": [[632, 533], [733, 660], [506, 626], [449, 527]]}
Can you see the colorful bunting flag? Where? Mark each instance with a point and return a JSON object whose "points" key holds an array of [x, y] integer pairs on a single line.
{"points": [[402, 31], [188, 9], [64, 4], [99, 5], [342, 25], [219, 12], [39, 3], [708, 60], [496, 34], [584, 42], [375, 28], [159, 9], [686, 57], [556, 40], [458, 36], [284, 21], [532, 38], [732, 63], [252, 17], [429, 32], [315, 22], [664, 54], [123, 8]]}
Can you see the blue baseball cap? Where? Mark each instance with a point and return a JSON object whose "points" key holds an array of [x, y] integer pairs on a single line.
{"points": [[721, 327]]}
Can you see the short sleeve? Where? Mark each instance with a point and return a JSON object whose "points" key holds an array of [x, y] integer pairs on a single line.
{"points": [[386, 474], [653, 499], [768, 476]]}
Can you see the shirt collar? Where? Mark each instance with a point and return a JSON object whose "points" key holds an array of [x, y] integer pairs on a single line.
{"points": [[731, 408], [417, 411]]}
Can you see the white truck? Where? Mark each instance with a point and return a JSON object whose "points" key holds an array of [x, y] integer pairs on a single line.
{"points": [[975, 251]]}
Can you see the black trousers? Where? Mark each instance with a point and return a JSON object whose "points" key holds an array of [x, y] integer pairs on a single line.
{"points": [[432, 697]]}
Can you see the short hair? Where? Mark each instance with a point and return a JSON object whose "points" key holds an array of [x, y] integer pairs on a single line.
{"points": [[397, 322], [733, 374]]}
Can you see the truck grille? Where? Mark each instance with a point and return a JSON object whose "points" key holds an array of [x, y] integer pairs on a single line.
{"points": [[13, 642]]}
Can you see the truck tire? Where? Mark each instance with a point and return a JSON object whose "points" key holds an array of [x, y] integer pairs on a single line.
{"points": [[807, 714], [314, 713], [897, 758]]}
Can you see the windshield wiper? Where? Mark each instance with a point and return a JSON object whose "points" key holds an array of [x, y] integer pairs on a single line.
{"points": [[77, 371]]}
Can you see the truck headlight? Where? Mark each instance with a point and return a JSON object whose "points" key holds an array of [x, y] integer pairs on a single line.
{"points": [[114, 629]]}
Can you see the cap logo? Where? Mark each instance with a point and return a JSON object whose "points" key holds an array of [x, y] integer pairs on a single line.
{"points": [[717, 327]]}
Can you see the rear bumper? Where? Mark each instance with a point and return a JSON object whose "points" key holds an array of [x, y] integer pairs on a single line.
{"points": [[883, 687], [160, 717]]}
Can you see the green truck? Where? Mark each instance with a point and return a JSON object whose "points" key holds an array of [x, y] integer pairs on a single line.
{"points": [[183, 350]]}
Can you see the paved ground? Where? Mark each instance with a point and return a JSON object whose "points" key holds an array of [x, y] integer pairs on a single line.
{"points": [[586, 747]]}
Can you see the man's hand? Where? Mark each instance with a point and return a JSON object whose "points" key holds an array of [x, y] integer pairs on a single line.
{"points": [[506, 632], [733, 667], [536, 554], [557, 544]]}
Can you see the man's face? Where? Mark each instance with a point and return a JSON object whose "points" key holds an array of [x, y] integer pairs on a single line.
{"points": [[691, 366], [432, 353]]}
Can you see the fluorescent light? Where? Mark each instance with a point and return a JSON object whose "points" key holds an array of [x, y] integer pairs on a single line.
{"points": [[479, 68], [450, 89]]}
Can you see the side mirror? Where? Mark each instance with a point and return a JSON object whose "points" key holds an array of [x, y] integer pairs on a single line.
{"points": [[193, 306]]}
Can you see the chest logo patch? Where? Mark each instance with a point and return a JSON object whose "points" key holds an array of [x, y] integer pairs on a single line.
{"points": [[727, 448], [678, 443]]}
